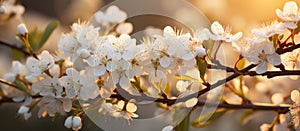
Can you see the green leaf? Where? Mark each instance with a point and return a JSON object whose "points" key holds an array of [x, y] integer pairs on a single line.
{"points": [[241, 64], [184, 124], [202, 66], [275, 41], [46, 34], [208, 45], [297, 30], [33, 37], [208, 118], [17, 55], [245, 115], [21, 86]]}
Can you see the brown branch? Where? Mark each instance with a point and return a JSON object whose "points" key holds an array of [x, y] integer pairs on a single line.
{"points": [[279, 109], [15, 47], [271, 74]]}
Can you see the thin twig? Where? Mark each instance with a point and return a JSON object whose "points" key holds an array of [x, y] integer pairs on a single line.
{"points": [[15, 47]]}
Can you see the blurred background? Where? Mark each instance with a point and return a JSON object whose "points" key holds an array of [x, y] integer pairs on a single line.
{"points": [[241, 15]]}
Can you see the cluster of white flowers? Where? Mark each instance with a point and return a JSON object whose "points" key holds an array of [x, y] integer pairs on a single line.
{"points": [[259, 49], [93, 63], [8, 7]]}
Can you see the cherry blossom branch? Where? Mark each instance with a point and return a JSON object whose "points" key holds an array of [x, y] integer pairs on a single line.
{"points": [[271, 74], [15, 47], [126, 96], [279, 109]]}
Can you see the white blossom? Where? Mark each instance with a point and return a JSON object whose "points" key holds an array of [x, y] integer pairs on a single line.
{"points": [[295, 96], [51, 105], [9, 7], [73, 122], [22, 30], [49, 85], [260, 52], [219, 33], [24, 110], [37, 66], [290, 12], [269, 30], [124, 28], [112, 15], [71, 82]]}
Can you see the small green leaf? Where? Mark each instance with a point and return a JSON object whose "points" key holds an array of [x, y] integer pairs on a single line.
{"points": [[241, 63], [21, 86], [46, 34], [275, 41], [245, 115], [208, 45], [297, 30], [17, 55], [184, 124], [208, 118], [202, 66], [33, 37]]}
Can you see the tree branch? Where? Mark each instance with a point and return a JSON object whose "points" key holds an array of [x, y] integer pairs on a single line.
{"points": [[14, 47]]}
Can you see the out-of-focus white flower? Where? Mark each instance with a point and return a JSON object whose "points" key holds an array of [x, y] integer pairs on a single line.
{"points": [[269, 30], [51, 105], [168, 128], [107, 108], [265, 127], [124, 28], [128, 113], [24, 110], [73, 122], [277, 98], [221, 34], [112, 15], [290, 12], [295, 96], [9, 7], [22, 30], [201, 35], [88, 36], [37, 66]]}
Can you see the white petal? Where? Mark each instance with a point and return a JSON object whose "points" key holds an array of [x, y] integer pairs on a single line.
{"points": [[274, 59], [124, 82], [168, 31], [68, 122], [125, 28], [165, 62], [261, 68], [236, 37], [99, 70], [217, 28], [168, 128]]}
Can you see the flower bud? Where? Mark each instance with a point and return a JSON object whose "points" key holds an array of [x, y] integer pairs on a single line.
{"points": [[23, 110], [168, 128], [68, 122], [2, 10], [200, 52], [76, 123], [22, 30]]}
